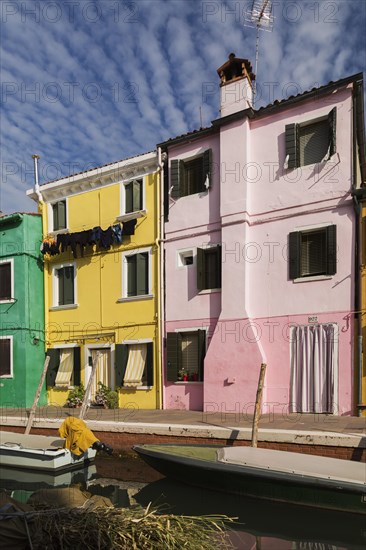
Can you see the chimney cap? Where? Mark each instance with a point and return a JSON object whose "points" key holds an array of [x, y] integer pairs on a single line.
{"points": [[235, 68]]}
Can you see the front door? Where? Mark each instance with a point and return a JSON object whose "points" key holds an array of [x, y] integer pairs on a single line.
{"points": [[103, 372]]}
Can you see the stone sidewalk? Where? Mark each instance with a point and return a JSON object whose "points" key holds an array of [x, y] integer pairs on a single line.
{"points": [[316, 429]]}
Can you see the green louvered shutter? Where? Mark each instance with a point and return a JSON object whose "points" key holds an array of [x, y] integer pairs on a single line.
{"points": [[314, 142], [174, 355], [77, 378], [294, 254], [128, 197], [219, 264], [331, 250], [175, 169], [149, 364], [120, 361], [201, 353], [137, 195], [142, 274], [53, 365], [207, 167], [200, 265], [291, 145], [332, 121], [59, 215]]}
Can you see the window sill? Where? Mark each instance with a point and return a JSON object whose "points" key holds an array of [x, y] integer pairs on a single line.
{"points": [[314, 278], [6, 377], [180, 382], [8, 301], [58, 232], [209, 291], [69, 306], [132, 216], [134, 298], [145, 388]]}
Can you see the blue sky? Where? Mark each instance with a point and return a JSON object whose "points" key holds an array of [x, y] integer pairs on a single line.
{"points": [[88, 82]]}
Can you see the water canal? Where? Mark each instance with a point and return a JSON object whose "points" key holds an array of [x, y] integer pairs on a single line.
{"points": [[259, 525]]}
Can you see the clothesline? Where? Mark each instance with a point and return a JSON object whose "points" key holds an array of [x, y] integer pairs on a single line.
{"points": [[96, 236]]}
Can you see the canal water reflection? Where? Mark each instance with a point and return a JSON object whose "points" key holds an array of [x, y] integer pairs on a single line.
{"points": [[259, 525]]}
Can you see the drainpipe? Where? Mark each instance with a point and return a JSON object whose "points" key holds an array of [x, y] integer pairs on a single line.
{"points": [[161, 294], [358, 289], [36, 183]]}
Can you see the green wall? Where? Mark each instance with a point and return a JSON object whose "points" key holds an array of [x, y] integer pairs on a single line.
{"points": [[23, 319]]}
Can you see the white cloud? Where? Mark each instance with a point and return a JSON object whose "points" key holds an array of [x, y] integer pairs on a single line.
{"points": [[106, 80]]}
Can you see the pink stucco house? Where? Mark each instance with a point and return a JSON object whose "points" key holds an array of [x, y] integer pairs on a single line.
{"points": [[259, 246]]}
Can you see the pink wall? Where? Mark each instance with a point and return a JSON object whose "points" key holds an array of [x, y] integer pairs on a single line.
{"points": [[251, 208]]}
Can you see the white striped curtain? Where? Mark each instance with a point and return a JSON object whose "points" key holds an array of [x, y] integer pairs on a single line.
{"points": [[65, 370], [313, 368], [135, 365], [103, 370]]}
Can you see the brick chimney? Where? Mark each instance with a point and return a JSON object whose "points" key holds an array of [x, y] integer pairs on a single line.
{"points": [[236, 88]]}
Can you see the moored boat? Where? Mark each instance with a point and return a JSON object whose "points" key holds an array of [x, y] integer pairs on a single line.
{"points": [[40, 452], [279, 476]]}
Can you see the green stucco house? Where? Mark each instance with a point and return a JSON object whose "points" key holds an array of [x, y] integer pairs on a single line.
{"points": [[22, 349]]}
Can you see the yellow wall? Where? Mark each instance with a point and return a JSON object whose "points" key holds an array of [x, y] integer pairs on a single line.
{"points": [[99, 286]]}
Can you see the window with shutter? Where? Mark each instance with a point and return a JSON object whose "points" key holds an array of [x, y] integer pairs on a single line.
{"points": [[64, 281], [190, 176], [134, 365], [209, 268], [65, 277], [59, 215], [136, 274], [185, 355], [312, 252], [310, 142], [6, 359], [64, 367], [6, 281], [133, 196]]}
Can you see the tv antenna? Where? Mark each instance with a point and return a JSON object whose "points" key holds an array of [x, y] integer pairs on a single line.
{"points": [[260, 16]]}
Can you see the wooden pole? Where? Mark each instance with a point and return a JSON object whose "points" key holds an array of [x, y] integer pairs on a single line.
{"points": [[36, 397], [84, 405], [258, 405]]}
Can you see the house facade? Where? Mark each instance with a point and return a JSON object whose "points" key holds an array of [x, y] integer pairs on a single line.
{"points": [[22, 352], [260, 241], [101, 255]]}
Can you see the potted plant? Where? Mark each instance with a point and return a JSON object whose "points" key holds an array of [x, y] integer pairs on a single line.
{"points": [[106, 397], [75, 397], [183, 374]]}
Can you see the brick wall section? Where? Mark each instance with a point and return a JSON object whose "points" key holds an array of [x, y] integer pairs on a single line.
{"points": [[125, 441]]}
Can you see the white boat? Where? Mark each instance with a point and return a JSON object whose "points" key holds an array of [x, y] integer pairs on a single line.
{"points": [[39, 452]]}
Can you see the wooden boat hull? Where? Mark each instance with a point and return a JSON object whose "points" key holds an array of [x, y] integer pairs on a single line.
{"points": [[45, 453], [197, 465]]}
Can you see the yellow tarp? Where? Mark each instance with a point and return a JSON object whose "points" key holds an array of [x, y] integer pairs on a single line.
{"points": [[78, 437]]}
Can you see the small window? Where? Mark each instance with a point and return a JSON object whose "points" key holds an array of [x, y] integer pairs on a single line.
{"points": [[59, 215], [6, 281], [310, 142], [185, 258], [209, 268], [186, 351], [313, 253], [6, 357], [64, 367], [64, 285], [191, 176], [134, 365], [137, 274], [133, 196]]}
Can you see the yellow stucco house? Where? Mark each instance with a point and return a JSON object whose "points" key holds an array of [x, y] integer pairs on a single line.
{"points": [[101, 252]]}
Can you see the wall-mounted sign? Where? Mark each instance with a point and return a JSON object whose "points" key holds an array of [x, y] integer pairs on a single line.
{"points": [[313, 319]]}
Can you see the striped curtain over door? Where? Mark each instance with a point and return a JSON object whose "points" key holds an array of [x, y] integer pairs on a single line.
{"points": [[314, 368], [103, 373]]}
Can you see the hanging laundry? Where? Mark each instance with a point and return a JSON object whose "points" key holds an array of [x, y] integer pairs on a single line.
{"points": [[117, 233], [129, 227]]}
